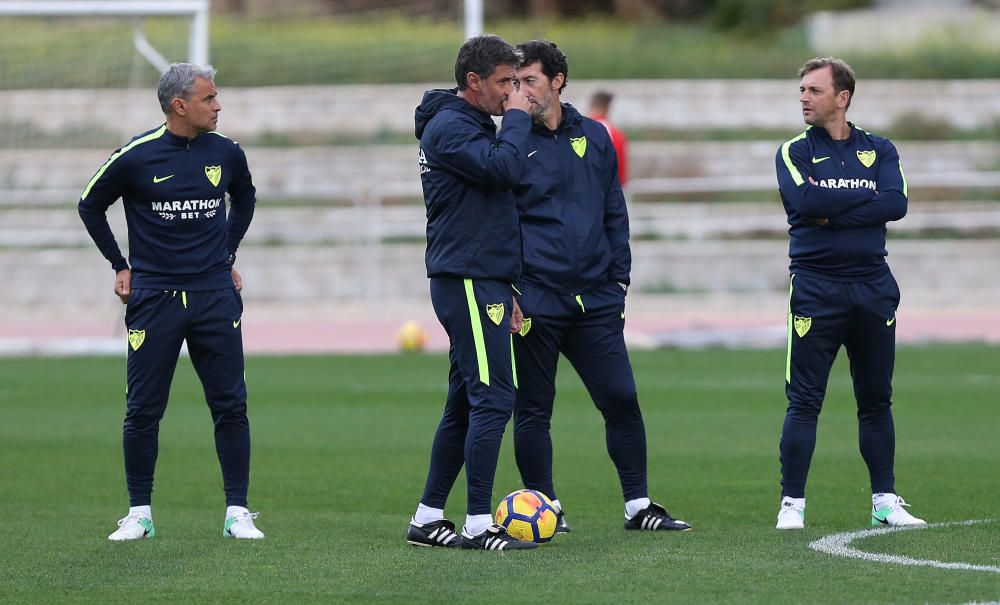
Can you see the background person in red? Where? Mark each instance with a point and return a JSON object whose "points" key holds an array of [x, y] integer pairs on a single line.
{"points": [[600, 104]]}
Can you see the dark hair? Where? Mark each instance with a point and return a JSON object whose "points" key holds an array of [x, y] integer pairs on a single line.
{"points": [[843, 75], [601, 100], [548, 54], [482, 55]]}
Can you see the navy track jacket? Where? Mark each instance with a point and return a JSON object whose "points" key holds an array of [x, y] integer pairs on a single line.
{"points": [[859, 187], [467, 171], [574, 222], [173, 190]]}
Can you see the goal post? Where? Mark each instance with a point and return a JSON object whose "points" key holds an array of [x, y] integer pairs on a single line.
{"points": [[473, 18], [196, 10]]}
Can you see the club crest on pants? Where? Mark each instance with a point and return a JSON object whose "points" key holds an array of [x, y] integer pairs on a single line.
{"points": [[136, 338], [802, 325], [525, 326], [495, 313]]}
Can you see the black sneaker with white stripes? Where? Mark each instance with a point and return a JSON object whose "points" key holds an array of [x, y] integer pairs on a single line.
{"points": [[495, 538], [561, 526], [437, 533], [655, 518]]}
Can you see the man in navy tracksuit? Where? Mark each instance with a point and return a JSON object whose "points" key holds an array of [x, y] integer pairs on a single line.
{"points": [[839, 185], [473, 259], [179, 283], [574, 229]]}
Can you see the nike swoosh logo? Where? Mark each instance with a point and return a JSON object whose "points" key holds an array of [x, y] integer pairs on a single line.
{"points": [[817, 160], [157, 179], [236, 323], [889, 322], [532, 153]]}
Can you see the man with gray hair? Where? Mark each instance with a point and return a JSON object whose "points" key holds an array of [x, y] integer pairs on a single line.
{"points": [[179, 283]]}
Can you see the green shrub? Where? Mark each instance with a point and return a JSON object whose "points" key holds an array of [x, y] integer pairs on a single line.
{"points": [[764, 16], [64, 54]]}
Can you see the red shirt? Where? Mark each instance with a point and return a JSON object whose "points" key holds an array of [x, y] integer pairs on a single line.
{"points": [[620, 142]]}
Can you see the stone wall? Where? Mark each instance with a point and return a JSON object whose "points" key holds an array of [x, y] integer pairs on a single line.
{"points": [[331, 252], [348, 172], [315, 112]]}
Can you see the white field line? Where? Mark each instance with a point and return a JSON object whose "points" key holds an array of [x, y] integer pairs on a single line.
{"points": [[839, 545]]}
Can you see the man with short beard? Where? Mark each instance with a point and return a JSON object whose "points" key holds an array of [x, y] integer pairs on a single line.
{"points": [[577, 261], [473, 261]]}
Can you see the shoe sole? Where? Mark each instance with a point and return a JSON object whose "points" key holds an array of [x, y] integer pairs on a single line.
{"points": [[423, 545], [502, 550], [878, 523], [142, 537], [227, 534]]}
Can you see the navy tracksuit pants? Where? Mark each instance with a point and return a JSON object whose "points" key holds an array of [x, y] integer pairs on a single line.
{"points": [[481, 386], [158, 323], [823, 315], [588, 330]]}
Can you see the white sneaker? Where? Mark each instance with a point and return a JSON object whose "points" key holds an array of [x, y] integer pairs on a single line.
{"points": [[133, 527], [241, 525], [887, 509], [792, 514]]}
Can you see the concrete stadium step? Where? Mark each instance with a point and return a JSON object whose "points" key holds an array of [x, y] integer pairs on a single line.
{"points": [[354, 173], [317, 112], [371, 224], [324, 274]]}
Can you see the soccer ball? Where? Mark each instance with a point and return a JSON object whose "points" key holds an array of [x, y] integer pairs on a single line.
{"points": [[411, 337], [527, 515]]}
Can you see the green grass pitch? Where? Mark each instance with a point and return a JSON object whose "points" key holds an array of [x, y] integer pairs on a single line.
{"points": [[340, 452]]}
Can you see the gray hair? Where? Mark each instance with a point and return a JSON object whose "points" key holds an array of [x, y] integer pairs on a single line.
{"points": [[178, 81]]}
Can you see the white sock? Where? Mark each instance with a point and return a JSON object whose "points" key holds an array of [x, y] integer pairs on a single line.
{"points": [[886, 498], [146, 512], [233, 511], [477, 524], [426, 514], [558, 506], [632, 507]]}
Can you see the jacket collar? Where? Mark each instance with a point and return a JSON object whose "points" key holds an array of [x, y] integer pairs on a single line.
{"points": [[823, 133], [178, 140], [570, 118]]}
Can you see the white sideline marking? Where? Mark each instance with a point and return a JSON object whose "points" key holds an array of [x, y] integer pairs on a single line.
{"points": [[837, 545]]}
